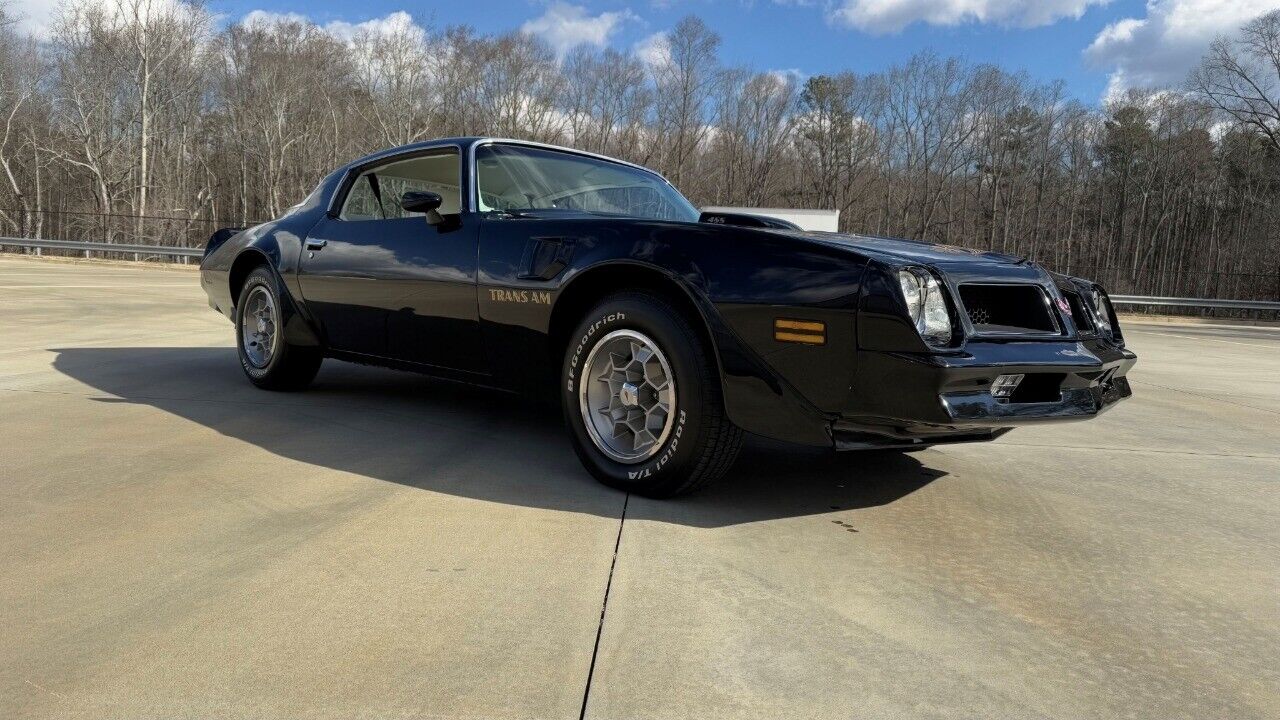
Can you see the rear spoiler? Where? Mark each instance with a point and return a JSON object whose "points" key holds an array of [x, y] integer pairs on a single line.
{"points": [[745, 220], [220, 236]]}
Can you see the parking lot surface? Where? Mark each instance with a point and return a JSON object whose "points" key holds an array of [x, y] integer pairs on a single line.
{"points": [[176, 543]]}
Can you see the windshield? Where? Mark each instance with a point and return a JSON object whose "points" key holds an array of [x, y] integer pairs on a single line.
{"points": [[516, 177]]}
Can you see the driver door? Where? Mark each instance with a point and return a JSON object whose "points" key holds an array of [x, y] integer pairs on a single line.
{"points": [[383, 282]]}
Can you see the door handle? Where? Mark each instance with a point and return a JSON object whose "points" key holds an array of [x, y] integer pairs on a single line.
{"points": [[316, 244]]}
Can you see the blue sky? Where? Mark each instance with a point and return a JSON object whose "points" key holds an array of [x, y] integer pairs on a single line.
{"points": [[1096, 46], [767, 35]]}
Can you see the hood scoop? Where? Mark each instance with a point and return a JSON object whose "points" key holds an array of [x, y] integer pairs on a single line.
{"points": [[745, 220]]}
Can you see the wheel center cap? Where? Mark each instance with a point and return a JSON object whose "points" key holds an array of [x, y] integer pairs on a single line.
{"points": [[262, 325], [629, 395]]}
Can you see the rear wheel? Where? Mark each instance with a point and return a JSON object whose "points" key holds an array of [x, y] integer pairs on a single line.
{"points": [[268, 359], [642, 399]]}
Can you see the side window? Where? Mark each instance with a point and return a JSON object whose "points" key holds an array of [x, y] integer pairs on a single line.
{"points": [[376, 193], [362, 201]]}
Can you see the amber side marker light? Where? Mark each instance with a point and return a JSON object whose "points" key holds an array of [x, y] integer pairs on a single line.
{"points": [[806, 332]]}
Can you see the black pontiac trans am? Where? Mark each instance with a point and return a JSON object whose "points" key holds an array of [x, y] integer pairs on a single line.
{"points": [[664, 333]]}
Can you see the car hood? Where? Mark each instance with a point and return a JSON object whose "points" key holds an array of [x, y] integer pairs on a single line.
{"points": [[908, 250]]}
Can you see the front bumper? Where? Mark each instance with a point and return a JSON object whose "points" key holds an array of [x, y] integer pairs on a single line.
{"points": [[909, 400]]}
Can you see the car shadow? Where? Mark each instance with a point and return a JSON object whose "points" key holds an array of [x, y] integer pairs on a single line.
{"points": [[448, 438]]}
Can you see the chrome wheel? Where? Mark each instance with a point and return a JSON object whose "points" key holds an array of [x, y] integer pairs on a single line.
{"points": [[627, 396], [259, 324]]}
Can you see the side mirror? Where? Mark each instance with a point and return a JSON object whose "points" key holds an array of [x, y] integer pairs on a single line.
{"points": [[423, 202]]}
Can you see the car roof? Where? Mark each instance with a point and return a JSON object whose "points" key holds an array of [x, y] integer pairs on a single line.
{"points": [[470, 142]]}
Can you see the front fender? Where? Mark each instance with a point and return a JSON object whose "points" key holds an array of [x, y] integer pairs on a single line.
{"points": [[740, 282], [750, 281], [276, 245]]}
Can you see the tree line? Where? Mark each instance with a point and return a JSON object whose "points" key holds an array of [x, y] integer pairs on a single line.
{"points": [[144, 121]]}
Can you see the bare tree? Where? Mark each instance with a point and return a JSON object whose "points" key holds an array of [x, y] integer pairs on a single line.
{"points": [[752, 131], [1241, 76], [269, 77], [137, 108], [395, 72], [606, 100], [163, 44], [20, 72], [92, 108], [684, 76], [519, 84], [837, 137]]}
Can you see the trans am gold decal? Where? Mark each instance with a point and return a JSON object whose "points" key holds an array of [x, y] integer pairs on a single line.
{"points": [[532, 297]]}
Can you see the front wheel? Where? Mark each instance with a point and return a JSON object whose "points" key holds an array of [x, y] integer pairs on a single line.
{"points": [[269, 360], [642, 399]]}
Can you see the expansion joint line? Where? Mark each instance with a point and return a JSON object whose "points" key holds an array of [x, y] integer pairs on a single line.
{"points": [[604, 607]]}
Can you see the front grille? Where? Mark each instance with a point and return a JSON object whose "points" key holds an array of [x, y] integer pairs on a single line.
{"points": [[1008, 310]]}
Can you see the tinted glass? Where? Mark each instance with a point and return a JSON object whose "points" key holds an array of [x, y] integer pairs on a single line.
{"points": [[513, 177], [376, 193]]}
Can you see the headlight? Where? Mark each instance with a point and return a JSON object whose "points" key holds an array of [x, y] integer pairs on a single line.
{"points": [[1101, 310], [926, 306]]}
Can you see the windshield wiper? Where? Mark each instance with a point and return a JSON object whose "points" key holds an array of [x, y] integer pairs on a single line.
{"points": [[536, 212], [513, 213]]}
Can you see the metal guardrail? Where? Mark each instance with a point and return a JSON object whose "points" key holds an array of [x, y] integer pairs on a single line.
{"points": [[1141, 301], [184, 252]]}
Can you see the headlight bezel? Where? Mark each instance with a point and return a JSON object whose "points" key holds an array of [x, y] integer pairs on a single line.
{"points": [[929, 307], [1104, 314], [1098, 306]]}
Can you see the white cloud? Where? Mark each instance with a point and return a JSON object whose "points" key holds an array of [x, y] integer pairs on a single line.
{"points": [[34, 16], [654, 51], [396, 23], [267, 18], [789, 75], [37, 17], [1162, 47], [565, 27], [888, 16]]}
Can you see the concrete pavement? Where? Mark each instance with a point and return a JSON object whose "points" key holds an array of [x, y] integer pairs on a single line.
{"points": [[179, 544]]}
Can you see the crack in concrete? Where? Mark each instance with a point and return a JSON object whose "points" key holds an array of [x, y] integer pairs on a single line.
{"points": [[604, 607]]}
